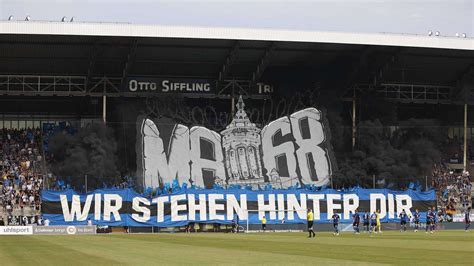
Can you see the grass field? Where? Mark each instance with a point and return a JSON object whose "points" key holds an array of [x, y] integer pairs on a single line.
{"points": [[443, 247]]}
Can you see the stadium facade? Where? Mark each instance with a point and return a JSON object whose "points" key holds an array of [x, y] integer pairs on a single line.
{"points": [[213, 107]]}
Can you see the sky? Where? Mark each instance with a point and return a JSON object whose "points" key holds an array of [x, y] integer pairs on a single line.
{"points": [[393, 16]]}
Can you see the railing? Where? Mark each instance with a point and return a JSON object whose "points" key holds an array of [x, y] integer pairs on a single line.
{"points": [[38, 85], [42, 85], [413, 93], [404, 93]]}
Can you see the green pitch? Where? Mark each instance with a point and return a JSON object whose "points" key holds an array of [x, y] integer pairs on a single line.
{"points": [[443, 247]]}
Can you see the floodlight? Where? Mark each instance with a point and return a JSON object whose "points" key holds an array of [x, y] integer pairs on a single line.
{"points": [[28, 18], [64, 19], [72, 19], [10, 18]]}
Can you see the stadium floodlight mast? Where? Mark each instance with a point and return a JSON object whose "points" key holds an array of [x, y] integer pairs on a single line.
{"points": [[10, 18], [28, 18]]}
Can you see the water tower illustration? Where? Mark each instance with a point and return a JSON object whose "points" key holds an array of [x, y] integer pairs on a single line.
{"points": [[242, 145]]}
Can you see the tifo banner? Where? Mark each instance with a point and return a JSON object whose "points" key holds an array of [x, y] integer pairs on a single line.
{"points": [[127, 208], [291, 150]]}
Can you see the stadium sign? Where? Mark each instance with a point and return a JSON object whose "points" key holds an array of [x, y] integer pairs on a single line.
{"points": [[263, 88], [64, 230], [16, 230], [459, 217], [185, 86], [166, 85], [125, 207]]}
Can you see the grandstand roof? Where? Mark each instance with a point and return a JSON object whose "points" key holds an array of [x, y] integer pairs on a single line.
{"points": [[159, 31], [35, 55]]}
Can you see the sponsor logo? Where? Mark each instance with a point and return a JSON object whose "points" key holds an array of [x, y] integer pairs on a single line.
{"points": [[461, 216], [64, 230], [169, 86], [71, 230], [16, 230]]}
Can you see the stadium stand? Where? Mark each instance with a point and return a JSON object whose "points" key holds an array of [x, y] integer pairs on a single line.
{"points": [[425, 77], [21, 175], [453, 189]]}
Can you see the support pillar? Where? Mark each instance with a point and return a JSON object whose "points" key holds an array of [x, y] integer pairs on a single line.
{"points": [[104, 108], [232, 108], [354, 130], [465, 137]]}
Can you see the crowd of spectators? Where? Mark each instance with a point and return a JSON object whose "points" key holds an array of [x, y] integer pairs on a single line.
{"points": [[453, 189], [21, 177]]}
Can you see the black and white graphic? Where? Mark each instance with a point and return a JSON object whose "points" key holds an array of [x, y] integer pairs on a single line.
{"points": [[289, 151], [242, 145]]}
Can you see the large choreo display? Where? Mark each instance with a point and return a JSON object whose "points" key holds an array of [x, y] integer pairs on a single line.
{"points": [[242, 173], [129, 208], [290, 150]]}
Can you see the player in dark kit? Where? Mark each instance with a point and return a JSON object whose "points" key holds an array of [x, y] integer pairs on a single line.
{"points": [[467, 219], [234, 226], [434, 220], [416, 219], [403, 221], [373, 222], [367, 221], [335, 223], [356, 222], [430, 217]]}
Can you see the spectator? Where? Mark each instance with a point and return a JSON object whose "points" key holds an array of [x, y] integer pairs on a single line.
{"points": [[20, 171], [453, 189]]}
